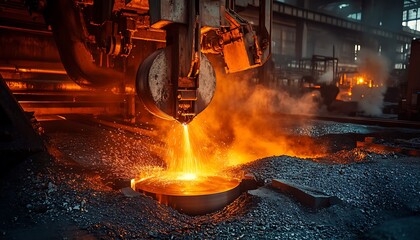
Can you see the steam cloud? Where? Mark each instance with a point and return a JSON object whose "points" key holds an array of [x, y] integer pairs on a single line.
{"points": [[244, 120], [327, 77], [376, 68], [243, 123]]}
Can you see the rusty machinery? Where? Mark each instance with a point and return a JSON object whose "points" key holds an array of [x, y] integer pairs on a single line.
{"points": [[156, 47], [410, 103]]}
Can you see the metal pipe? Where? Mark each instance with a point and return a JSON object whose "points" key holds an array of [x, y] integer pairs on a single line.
{"points": [[149, 39], [32, 70], [68, 31], [26, 30]]}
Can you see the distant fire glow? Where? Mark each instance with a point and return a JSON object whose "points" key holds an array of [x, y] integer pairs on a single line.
{"points": [[367, 85]]}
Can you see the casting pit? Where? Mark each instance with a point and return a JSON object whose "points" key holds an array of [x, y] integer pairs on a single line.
{"points": [[191, 194]]}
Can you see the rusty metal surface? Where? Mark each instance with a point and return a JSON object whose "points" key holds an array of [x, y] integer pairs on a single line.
{"points": [[15, 14], [156, 91], [163, 12], [411, 105], [149, 35], [30, 45], [16, 132], [140, 4], [212, 13], [32, 70], [70, 38]]}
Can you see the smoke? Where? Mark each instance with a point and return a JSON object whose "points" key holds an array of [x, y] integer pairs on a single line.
{"points": [[327, 77], [244, 123], [243, 97], [376, 69]]}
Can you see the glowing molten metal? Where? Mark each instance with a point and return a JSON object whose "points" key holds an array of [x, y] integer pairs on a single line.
{"points": [[188, 184]]}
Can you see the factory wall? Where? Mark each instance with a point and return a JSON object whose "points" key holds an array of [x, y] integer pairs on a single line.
{"points": [[318, 40], [294, 38], [284, 38], [290, 43]]}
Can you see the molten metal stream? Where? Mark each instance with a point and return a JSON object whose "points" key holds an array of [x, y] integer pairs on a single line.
{"points": [[185, 175], [189, 163], [182, 162], [187, 184]]}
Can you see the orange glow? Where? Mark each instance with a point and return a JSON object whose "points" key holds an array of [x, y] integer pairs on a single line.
{"points": [[70, 86], [239, 126], [204, 185], [187, 177], [360, 85], [127, 89], [191, 167], [130, 89], [188, 161], [235, 129], [16, 85], [187, 157], [182, 156]]}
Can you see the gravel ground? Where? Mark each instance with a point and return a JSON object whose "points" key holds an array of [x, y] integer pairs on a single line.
{"points": [[73, 191]]}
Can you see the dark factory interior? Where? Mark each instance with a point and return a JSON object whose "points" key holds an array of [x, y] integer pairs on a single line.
{"points": [[209, 119]]}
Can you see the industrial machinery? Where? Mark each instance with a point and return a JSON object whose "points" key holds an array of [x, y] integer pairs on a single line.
{"points": [[156, 48], [410, 104], [323, 76], [318, 73]]}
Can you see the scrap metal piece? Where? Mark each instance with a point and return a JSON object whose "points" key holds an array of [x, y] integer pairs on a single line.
{"points": [[370, 146], [129, 192], [309, 197]]}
